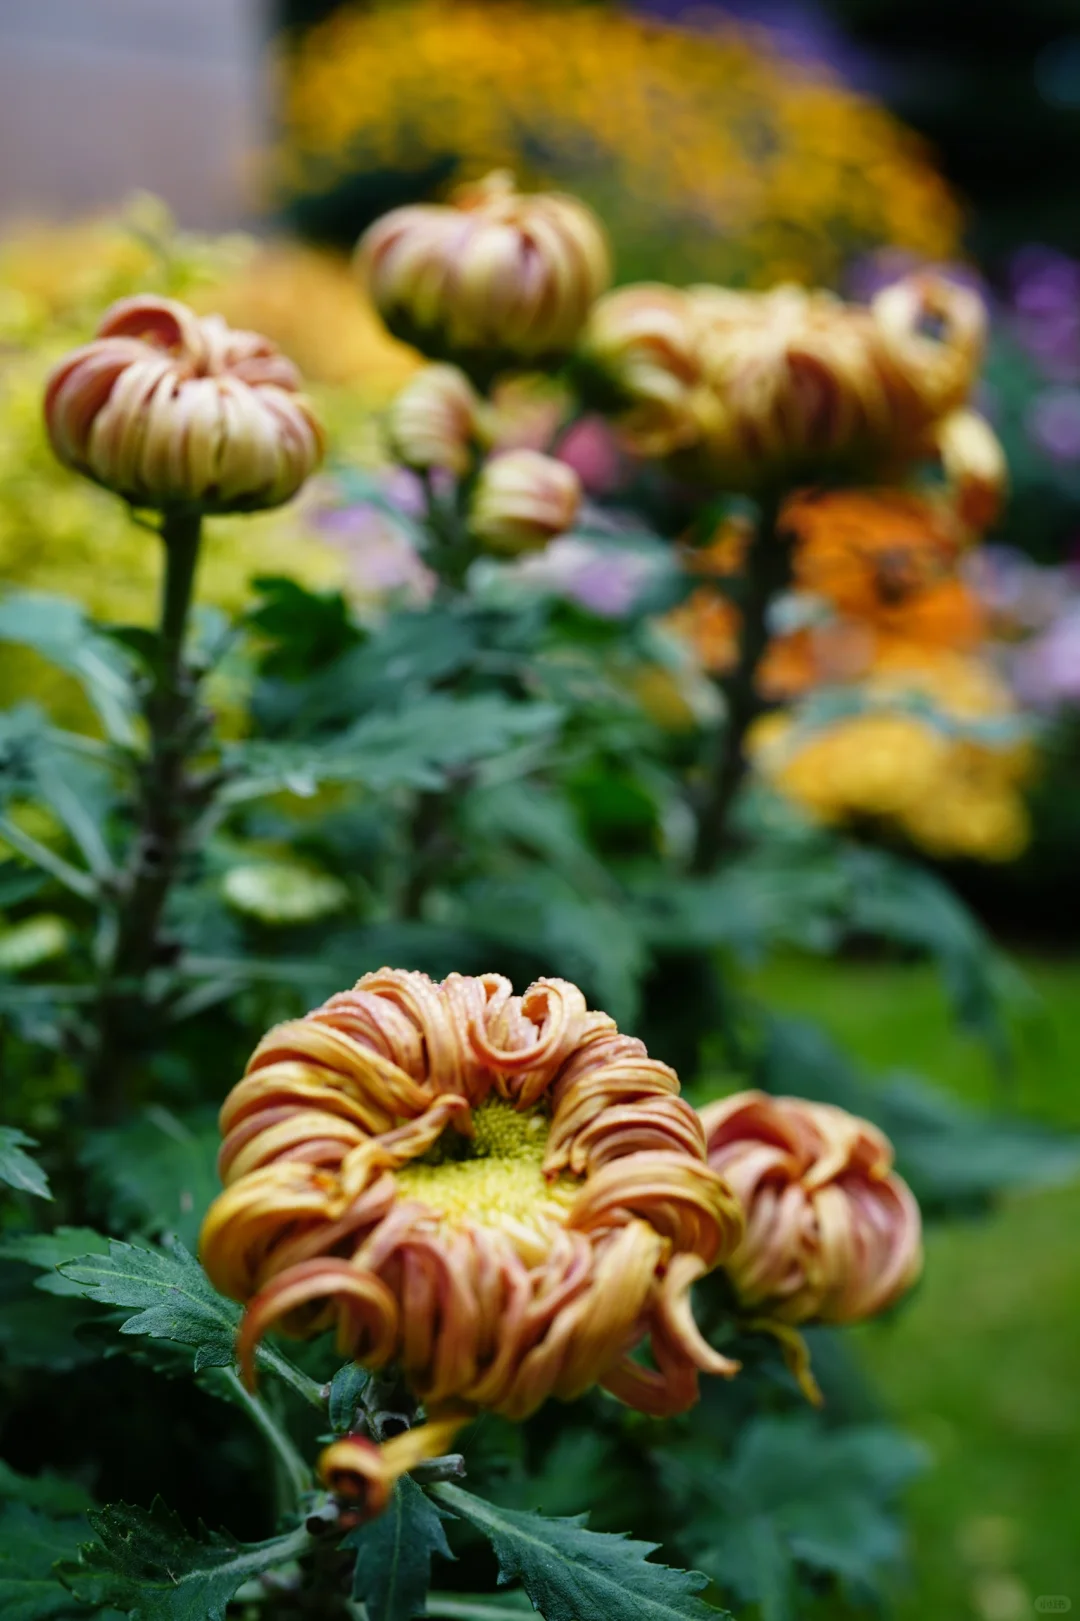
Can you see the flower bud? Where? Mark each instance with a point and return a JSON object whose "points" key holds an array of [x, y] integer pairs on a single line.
{"points": [[492, 277], [522, 499], [434, 421], [167, 408], [930, 331], [832, 1233], [974, 466]]}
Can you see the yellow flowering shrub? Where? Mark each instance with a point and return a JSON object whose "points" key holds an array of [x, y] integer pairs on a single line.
{"points": [[707, 153], [62, 534]]}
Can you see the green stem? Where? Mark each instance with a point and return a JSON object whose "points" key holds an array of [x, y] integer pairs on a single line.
{"points": [[162, 816], [479, 1609], [289, 1374], [294, 1468], [767, 574]]}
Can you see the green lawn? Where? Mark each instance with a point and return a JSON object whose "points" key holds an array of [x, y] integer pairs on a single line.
{"points": [[984, 1364]]}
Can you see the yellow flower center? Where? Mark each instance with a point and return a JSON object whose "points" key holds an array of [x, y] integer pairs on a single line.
{"points": [[493, 1179]]}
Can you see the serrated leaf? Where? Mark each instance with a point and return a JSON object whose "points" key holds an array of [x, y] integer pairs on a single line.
{"points": [[173, 1300], [394, 1554], [30, 1545], [573, 1574], [412, 748], [174, 1297], [146, 1564], [17, 1169], [46, 1251]]}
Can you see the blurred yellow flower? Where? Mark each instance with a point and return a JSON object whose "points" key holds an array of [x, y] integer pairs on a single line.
{"points": [[705, 151], [937, 756]]}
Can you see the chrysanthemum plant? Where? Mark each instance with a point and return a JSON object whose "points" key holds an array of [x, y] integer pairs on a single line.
{"points": [[457, 1232]]}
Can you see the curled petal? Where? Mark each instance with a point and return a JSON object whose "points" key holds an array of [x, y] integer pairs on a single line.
{"points": [[368, 1313], [168, 408], [363, 1474]]}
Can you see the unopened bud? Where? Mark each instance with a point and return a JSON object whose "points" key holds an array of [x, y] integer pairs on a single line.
{"points": [[434, 421], [522, 500], [493, 277], [832, 1233], [167, 409]]}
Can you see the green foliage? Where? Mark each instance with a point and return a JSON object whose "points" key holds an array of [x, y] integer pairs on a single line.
{"points": [[31, 1544], [956, 1158], [147, 1565], [794, 1498], [17, 1169], [61, 632], [573, 1574], [394, 1554], [156, 1174]]}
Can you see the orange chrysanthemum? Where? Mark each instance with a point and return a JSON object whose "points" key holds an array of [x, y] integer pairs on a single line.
{"points": [[887, 558], [500, 1194], [882, 566]]}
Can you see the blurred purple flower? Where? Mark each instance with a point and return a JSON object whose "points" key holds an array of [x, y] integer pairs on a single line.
{"points": [[1053, 423], [382, 560], [1046, 670], [605, 581], [1016, 591]]}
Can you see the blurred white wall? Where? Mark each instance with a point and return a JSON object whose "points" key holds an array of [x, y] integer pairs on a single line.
{"points": [[99, 97]]}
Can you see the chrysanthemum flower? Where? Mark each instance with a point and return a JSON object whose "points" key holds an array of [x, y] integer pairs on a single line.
{"points": [[499, 1194], [167, 408], [833, 1235], [494, 277], [753, 389]]}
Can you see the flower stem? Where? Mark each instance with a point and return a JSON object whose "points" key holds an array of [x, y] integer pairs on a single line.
{"points": [[294, 1469], [162, 814], [767, 574]]}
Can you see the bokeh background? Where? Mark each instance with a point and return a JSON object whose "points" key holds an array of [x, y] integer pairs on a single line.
{"points": [[231, 152]]}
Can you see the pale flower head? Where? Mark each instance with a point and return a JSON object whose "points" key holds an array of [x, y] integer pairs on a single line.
{"points": [[492, 278], [168, 408]]}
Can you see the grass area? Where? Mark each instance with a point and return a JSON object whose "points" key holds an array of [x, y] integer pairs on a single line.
{"points": [[983, 1365]]}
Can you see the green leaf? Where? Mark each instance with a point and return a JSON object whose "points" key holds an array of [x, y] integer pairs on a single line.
{"points": [[47, 1492], [174, 1300], [394, 1554], [572, 1574], [47, 1251], [60, 631], [413, 748], [794, 1492], [31, 1543], [146, 1564], [346, 1388], [17, 1169], [157, 1173]]}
